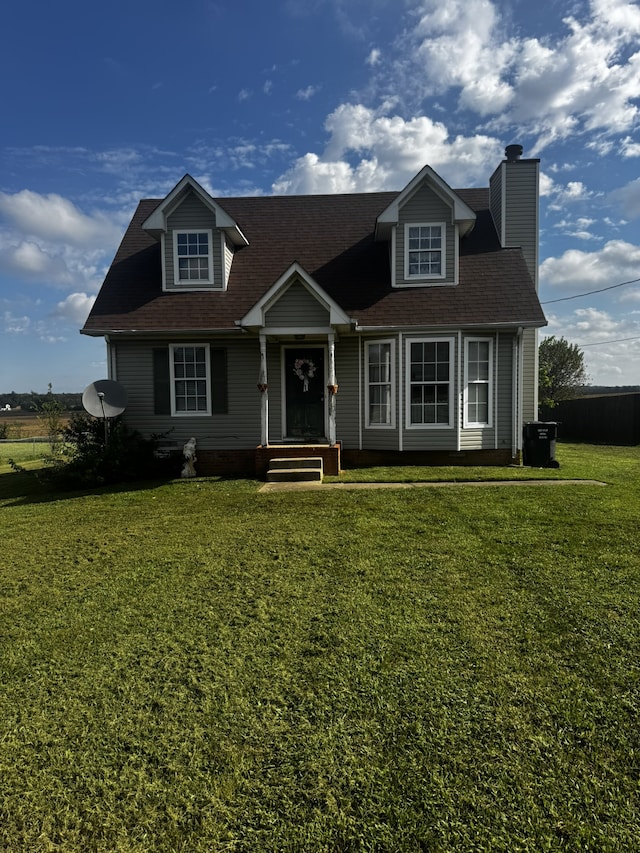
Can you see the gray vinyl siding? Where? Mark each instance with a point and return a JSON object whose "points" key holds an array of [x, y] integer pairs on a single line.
{"points": [[530, 375], [274, 376], [192, 215], [424, 207], [521, 222], [504, 386], [514, 206], [297, 307], [238, 428], [347, 409]]}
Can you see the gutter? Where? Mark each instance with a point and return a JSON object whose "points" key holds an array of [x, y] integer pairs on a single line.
{"points": [[505, 327], [516, 391], [147, 333]]}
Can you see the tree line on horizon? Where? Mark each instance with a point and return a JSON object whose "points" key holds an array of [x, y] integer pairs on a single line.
{"points": [[31, 401]]}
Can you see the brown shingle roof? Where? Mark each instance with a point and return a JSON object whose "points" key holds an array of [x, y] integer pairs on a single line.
{"points": [[332, 238]]}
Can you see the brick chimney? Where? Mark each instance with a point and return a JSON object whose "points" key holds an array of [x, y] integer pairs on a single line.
{"points": [[514, 194]]}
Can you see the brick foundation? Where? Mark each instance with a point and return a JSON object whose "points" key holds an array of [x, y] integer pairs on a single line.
{"points": [[226, 463], [373, 458], [254, 462]]}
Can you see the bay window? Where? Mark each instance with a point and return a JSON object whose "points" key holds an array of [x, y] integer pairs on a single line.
{"points": [[430, 382]]}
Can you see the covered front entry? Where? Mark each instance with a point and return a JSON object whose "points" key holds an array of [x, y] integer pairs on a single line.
{"points": [[305, 393]]}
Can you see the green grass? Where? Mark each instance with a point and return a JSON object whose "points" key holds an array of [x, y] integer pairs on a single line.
{"points": [[194, 666], [26, 451]]}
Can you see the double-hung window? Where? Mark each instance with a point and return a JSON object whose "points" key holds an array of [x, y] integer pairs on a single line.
{"points": [[424, 256], [478, 394], [379, 386], [430, 382], [193, 258], [190, 380]]}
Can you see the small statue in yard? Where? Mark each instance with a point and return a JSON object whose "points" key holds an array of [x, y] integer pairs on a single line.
{"points": [[189, 453]]}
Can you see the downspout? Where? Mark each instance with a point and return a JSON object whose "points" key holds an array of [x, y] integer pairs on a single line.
{"points": [[460, 395], [496, 374], [520, 386], [516, 393], [360, 370], [401, 386], [111, 365]]}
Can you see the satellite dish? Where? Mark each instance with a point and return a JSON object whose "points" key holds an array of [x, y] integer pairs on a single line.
{"points": [[104, 398]]}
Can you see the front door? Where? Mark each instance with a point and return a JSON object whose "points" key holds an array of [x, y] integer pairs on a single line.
{"points": [[304, 393]]}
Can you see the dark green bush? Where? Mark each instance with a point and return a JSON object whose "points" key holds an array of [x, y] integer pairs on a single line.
{"points": [[94, 456]]}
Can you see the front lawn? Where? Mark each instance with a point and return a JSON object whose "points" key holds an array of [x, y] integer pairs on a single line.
{"points": [[195, 666]]}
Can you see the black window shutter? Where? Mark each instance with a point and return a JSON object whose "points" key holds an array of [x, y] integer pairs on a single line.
{"points": [[161, 382], [219, 404]]}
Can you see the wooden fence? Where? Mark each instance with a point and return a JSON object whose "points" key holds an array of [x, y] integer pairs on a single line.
{"points": [[602, 419]]}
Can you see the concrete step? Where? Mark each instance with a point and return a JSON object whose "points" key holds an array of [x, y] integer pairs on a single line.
{"points": [[296, 462], [294, 475]]}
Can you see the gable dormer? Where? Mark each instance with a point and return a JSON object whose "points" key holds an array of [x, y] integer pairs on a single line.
{"points": [[424, 226], [198, 239]]}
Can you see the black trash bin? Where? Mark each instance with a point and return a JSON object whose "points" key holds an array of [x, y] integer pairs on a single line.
{"points": [[539, 445]]}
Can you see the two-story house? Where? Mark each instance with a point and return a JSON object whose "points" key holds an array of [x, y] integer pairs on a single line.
{"points": [[372, 328]]}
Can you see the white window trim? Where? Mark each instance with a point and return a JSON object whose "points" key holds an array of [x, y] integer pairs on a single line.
{"points": [[466, 423], [439, 278], [207, 361], [408, 383], [201, 284], [392, 383]]}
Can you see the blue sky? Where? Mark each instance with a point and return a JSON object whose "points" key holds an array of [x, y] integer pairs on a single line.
{"points": [[104, 104]]}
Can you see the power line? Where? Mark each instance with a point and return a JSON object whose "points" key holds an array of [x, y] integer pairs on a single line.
{"points": [[616, 341], [590, 292]]}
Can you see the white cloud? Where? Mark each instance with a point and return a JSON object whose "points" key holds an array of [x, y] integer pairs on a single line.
{"points": [[53, 217], [374, 57], [29, 261], [307, 93], [547, 185], [13, 325], [616, 262], [630, 148], [75, 307], [628, 198], [583, 77], [611, 345], [457, 46], [574, 191], [390, 151]]}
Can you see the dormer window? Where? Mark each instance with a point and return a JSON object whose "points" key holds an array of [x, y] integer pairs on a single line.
{"points": [[424, 256], [193, 257]]}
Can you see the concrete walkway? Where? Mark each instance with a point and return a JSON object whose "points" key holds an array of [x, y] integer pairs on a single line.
{"points": [[318, 487]]}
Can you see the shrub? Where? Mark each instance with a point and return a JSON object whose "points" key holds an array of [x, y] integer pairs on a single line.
{"points": [[95, 456]]}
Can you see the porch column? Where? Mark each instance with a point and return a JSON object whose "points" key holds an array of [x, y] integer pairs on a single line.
{"points": [[332, 389], [263, 387]]}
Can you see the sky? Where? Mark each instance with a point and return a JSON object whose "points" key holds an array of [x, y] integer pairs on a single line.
{"points": [[104, 104]]}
